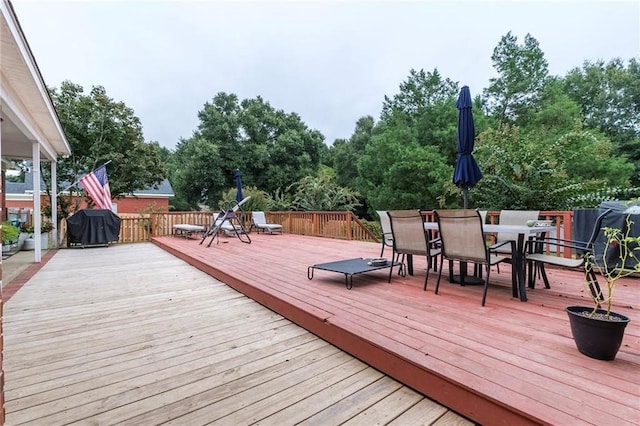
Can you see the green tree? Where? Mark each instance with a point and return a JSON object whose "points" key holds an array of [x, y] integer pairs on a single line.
{"points": [[346, 153], [411, 152], [525, 170], [522, 75], [177, 202], [272, 148], [281, 201], [198, 177], [426, 103], [609, 97], [556, 113], [396, 172], [100, 129], [259, 201], [321, 193]]}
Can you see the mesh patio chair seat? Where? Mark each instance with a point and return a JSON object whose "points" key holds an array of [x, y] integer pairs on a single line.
{"points": [[462, 239], [410, 238], [483, 215], [387, 234], [511, 217], [536, 252]]}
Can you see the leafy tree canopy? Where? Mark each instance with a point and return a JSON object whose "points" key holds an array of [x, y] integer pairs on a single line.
{"points": [[396, 172], [523, 170], [544, 142], [426, 103], [259, 201], [198, 175], [321, 193], [522, 74], [273, 149], [100, 129], [609, 97], [346, 153]]}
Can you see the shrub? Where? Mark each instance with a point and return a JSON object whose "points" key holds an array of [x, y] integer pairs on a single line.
{"points": [[10, 232], [46, 226]]}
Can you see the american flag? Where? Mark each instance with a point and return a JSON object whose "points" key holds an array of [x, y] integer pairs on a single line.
{"points": [[96, 184]]}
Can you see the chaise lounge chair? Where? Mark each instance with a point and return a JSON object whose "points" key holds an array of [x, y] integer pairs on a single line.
{"points": [[187, 229], [260, 223]]}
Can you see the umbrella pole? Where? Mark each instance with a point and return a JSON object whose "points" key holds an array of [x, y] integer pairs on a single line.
{"points": [[464, 197]]}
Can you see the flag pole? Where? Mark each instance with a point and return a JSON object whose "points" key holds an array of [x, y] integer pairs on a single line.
{"points": [[78, 180]]}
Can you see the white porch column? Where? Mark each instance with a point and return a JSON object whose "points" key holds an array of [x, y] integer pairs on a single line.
{"points": [[37, 215], [54, 202]]}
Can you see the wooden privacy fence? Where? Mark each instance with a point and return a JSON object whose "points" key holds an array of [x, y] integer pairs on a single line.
{"points": [[342, 225], [138, 228], [135, 229]]}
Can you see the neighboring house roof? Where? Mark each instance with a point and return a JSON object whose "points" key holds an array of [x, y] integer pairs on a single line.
{"points": [[15, 188], [164, 188]]}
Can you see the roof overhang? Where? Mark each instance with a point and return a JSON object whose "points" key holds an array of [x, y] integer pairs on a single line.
{"points": [[20, 197], [26, 109], [147, 195]]}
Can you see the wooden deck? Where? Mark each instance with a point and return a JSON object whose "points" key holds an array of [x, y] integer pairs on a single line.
{"points": [[510, 362], [130, 334]]}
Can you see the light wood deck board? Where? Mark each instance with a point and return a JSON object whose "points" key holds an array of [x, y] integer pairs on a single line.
{"points": [[261, 398], [53, 358], [387, 409], [139, 363], [228, 374], [300, 410], [130, 334], [517, 354], [61, 332]]}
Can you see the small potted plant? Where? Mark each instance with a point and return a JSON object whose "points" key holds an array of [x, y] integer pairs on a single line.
{"points": [[597, 330], [10, 234], [45, 228]]}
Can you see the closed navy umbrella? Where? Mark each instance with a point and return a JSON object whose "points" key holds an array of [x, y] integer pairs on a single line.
{"points": [[239, 195], [466, 173]]}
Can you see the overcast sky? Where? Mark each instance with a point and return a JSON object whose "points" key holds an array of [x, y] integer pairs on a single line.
{"points": [[331, 62]]}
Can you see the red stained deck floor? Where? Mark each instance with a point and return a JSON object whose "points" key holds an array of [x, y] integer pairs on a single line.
{"points": [[509, 362]]}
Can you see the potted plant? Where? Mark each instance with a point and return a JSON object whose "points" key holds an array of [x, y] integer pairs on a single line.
{"points": [[45, 228], [597, 330], [10, 234]]}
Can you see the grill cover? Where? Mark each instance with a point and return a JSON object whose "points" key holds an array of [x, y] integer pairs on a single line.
{"points": [[584, 220], [93, 227]]}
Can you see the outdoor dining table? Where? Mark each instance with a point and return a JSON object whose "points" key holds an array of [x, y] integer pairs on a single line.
{"points": [[519, 286]]}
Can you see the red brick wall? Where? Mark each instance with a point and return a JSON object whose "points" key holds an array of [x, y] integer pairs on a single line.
{"points": [[20, 204], [136, 205], [125, 205]]}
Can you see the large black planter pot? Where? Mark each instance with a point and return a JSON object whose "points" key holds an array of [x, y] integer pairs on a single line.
{"points": [[596, 338]]}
